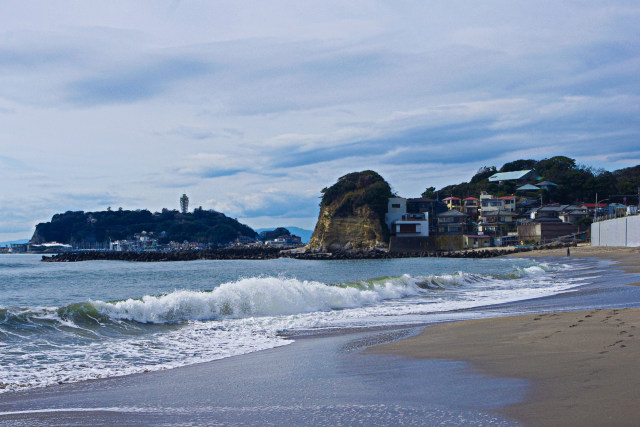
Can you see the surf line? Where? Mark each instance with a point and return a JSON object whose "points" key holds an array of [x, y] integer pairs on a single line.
{"points": [[54, 410]]}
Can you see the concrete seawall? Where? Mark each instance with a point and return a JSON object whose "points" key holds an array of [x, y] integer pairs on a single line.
{"points": [[616, 232]]}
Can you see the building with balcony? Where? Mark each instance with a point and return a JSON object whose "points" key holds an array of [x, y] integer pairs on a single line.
{"points": [[471, 206], [453, 222], [453, 203]]}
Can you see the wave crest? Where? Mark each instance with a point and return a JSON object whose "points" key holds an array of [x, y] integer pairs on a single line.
{"points": [[255, 297], [263, 296]]}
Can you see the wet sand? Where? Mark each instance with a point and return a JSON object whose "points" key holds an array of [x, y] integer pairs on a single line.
{"points": [[583, 365], [322, 380]]}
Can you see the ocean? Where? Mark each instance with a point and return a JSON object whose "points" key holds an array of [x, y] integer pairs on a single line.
{"points": [[68, 322]]}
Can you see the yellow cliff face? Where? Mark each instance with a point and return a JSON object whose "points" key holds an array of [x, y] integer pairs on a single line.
{"points": [[362, 231], [352, 214]]}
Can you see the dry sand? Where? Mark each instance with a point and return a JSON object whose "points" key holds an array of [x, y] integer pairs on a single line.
{"points": [[584, 366]]}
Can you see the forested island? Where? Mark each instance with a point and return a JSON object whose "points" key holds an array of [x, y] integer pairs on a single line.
{"points": [[203, 226]]}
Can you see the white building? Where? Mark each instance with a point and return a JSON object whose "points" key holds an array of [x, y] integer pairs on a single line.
{"points": [[396, 207], [403, 224]]}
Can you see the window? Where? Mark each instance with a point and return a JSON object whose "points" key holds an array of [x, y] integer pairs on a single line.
{"points": [[395, 205], [408, 228]]}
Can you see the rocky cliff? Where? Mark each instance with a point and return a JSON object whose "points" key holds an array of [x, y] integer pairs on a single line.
{"points": [[352, 214]]}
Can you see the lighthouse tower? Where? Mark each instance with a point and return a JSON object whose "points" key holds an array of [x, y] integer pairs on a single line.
{"points": [[184, 204]]}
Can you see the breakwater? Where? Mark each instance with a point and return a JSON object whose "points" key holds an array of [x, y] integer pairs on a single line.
{"points": [[261, 253]]}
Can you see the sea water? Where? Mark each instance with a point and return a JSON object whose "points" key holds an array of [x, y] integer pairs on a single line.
{"points": [[67, 322]]}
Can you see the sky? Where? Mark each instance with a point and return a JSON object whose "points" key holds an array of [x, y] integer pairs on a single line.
{"points": [[252, 107]]}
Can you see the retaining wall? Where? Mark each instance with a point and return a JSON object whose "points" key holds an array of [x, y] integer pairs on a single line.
{"points": [[411, 244], [616, 232]]}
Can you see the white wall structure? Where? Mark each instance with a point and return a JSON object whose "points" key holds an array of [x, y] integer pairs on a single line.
{"points": [[623, 231], [412, 228], [396, 208]]}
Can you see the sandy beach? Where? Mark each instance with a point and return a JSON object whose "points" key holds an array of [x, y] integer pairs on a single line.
{"points": [[583, 365]]}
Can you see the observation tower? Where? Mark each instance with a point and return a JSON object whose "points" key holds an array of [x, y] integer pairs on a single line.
{"points": [[184, 204]]}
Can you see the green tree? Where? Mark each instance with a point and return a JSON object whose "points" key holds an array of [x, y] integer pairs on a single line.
{"points": [[429, 193]]}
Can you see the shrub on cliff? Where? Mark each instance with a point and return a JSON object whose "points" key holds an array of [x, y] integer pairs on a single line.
{"points": [[356, 190]]}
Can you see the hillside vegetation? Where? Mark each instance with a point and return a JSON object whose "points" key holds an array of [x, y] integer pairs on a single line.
{"points": [[200, 226], [574, 182]]}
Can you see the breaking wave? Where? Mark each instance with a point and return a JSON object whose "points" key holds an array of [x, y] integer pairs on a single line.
{"points": [[252, 297], [94, 339]]}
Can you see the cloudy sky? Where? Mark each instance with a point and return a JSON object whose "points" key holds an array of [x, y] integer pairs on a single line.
{"points": [[252, 107]]}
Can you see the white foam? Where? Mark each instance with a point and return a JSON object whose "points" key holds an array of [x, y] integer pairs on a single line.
{"points": [[261, 296]]}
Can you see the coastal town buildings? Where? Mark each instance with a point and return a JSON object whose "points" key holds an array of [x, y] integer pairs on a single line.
{"points": [[501, 220]]}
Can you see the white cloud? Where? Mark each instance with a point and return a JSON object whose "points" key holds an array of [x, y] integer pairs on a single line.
{"points": [[255, 107]]}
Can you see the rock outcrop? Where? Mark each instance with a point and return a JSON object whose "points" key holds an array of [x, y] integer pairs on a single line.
{"points": [[352, 214]]}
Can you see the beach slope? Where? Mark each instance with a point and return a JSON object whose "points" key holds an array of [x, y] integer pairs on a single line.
{"points": [[583, 365]]}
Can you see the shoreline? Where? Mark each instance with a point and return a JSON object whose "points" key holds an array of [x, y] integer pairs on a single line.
{"points": [[582, 365], [625, 258], [298, 381]]}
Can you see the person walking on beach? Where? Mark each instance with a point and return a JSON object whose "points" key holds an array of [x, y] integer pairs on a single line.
{"points": [[568, 251]]}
